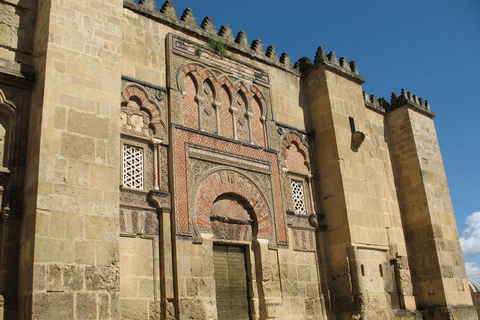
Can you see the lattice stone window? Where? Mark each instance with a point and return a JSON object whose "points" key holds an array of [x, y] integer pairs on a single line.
{"points": [[298, 197], [132, 167]]}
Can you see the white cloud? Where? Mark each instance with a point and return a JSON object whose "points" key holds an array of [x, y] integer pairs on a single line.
{"points": [[473, 270], [470, 239]]}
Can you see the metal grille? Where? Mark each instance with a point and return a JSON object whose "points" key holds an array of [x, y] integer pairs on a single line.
{"points": [[132, 167], [298, 197]]}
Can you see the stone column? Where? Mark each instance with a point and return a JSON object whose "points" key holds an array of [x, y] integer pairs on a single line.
{"points": [[70, 232]]}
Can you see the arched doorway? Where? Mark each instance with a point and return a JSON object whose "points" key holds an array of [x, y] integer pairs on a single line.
{"points": [[232, 219], [234, 213]]}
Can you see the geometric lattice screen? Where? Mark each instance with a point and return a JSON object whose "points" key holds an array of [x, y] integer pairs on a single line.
{"points": [[132, 167], [298, 197]]}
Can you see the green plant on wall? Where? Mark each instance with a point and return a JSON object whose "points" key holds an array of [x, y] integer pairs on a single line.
{"points": [[198, 51], [217, 45]]}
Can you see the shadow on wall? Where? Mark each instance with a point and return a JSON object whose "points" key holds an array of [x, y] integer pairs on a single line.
{"points": [[17, 28]]}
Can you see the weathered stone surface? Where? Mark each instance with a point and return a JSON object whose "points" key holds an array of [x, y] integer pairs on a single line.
{"points": [[114, 208]]}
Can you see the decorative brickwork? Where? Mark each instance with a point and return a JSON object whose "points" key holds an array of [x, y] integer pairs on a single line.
{"points": [[225, 114], [190, 104], [115, 206], [182, 137], [142, 113], [246, 114], [291, 145], [231, 182], [258, 119]]}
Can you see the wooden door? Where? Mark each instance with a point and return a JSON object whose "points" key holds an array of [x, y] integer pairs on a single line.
{"points": [[231, 282]]}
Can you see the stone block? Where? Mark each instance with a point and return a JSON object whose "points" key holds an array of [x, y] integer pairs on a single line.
{"points": [[85, 252], [86, 306], [106, 253], [53, 250], [192, 309], [191, 285], [39, 277], [134, 309], [196, 267], [103, 306], [146, 287], [101, 278], [77, 147], [57, 224], [73, 277], [73, 226], [55, 278], [59, 304], [101, 228]]}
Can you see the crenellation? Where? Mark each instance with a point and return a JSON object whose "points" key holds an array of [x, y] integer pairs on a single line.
{"points": [[272, 53], [187, 21], [320, 56], [285, 60], [304, 64], [407, 98], [168, 9], [208, 26], [241, 40], [380, 104], [187, 162], [188, 18], [148, 4], [332, 58], [353, 67], [257, 46], [226, 34]]}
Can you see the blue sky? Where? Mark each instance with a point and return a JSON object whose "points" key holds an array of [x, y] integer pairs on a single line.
{"points": [[429, 47]]}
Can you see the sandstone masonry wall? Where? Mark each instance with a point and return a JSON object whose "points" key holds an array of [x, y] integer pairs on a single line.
{"points": [[70, 234]]}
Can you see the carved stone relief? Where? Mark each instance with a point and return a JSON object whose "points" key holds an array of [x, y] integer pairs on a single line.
{"points": [[221, 182], [143, 127], [243, 124], [138, 223], [231, 177], [144, 112], [242, 84], [208, 108]]}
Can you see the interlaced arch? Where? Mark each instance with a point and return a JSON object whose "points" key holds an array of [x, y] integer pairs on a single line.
{"points": [[133, 92]]}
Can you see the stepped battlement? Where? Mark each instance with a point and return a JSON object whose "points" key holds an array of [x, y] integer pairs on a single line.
{"points": [[207, 29], [239, 43], [396, 101]]}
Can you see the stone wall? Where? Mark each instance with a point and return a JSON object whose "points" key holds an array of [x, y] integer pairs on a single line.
{"points": [[153, 140], [359, 200], [70, 233], [435, 255]]}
